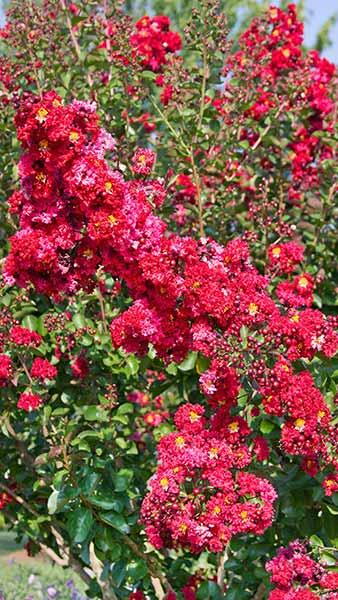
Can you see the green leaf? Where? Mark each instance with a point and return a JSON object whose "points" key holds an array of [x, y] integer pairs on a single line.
{"points": [[95, 413], [189, 363], [266, 426], [316, 541], [122, 479], [115, 520], [133, 364], [79, 524], [79, 321], [31, 322]]}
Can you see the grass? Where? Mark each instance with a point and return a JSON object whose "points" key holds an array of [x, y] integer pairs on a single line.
{"points": [[8, 543], [36, 579]]}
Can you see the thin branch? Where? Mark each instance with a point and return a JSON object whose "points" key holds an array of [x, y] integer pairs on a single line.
{"points": [[259, 595], [157, 578], [24, 366], [220, 570], [74, 40], [203, 89], [197, 183], [103, 312]]}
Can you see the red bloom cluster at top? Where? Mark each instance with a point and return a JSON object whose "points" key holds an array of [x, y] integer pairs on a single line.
{"points": [[271, 61], [195, 500], [295, 574], [153, 40]]}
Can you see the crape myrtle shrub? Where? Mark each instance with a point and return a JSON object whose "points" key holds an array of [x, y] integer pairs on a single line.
{"points": [[167, 331]]}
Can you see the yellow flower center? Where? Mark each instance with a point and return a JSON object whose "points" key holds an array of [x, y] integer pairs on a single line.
{"points": [[253, 308], [216, 510], [56, 103], [112, 219], [43, 144], [183, 528], [196, 284], [233, 427], [295, 318], [276, 251], [213, 452], [108, 186], [180, 441], [194, 416], [299, 424], [74, 136], [286, 52], [329, 482], [41, 114], [88, 253], [244, 515], [303, 282], [320, 414], [164, 482], [41, 177]]}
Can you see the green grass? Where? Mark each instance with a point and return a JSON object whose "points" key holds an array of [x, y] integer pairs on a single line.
{"points": [[8, 543], [38, 580]]}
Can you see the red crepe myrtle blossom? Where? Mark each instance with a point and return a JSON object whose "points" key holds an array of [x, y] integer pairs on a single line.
{"points": [[137, 595], [28, 402], [295, 573], [153, 41], [80, 367], [285, 257], [143, 161], [43, 369], [6, 369], [330, 484], [199, 454], [298, 292], [5, 499], [24, 337]]}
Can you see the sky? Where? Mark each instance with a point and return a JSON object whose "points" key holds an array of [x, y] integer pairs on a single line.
{"points": [[318, 11]]}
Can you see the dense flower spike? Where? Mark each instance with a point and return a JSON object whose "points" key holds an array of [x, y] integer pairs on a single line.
{"points": [[195, 500], [297, 576], [153, 40], [43, 369], [29, 402], [21, 336]]}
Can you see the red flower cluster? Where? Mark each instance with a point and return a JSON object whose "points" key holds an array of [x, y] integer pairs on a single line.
{"points": [[143, 161], [195, 499], [298, 292], [24, 337], [29, 402], [43, 369], [295, 573], [6, 369], [153, 40], [306, 430], [270, 60], [285, 257]]}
